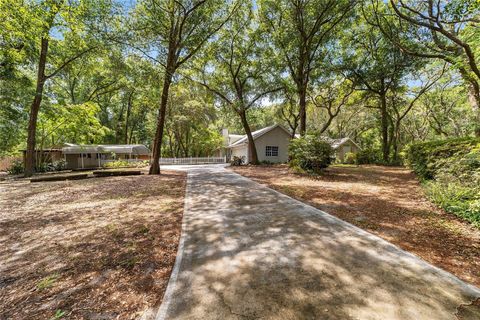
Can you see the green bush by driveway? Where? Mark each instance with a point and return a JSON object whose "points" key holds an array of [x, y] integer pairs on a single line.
{"points": [[450, 170]]}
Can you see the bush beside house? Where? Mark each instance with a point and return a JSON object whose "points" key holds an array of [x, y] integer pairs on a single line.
{"points": [[350, 158], [309, 154], [125, 164], [450, 170]]}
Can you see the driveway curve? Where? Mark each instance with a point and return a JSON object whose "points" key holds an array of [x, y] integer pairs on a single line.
{"points": [[249, 252]]}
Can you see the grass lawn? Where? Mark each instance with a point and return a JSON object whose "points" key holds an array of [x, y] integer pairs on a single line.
{"points": [[386, 201], [99, 248]]}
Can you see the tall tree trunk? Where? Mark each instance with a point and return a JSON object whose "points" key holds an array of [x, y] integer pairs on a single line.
{"points": [[127, 117], [252, 150], [157, 143], [384, 125], [35, 108], [473, 97], [395, 140], [474, 100], [132, 129], [302, 95], [118, 127], [187, 142]]}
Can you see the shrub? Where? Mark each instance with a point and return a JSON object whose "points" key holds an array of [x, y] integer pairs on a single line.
{"points": [[237, 161], [450, 170], [125, 164], [427, 158], [16, 167], [350, 158], [310, 154], [456, 198], [369, 156], [51, 166], [59, 165]]}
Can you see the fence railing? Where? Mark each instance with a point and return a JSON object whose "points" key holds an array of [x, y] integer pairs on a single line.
{"points": [[192, 160]]}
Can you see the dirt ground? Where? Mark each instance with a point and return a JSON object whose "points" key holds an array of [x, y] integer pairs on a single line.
{"points": [[100, 248], [386, 201]]}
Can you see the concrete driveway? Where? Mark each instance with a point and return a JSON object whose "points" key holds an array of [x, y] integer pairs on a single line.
{"points": [[248, 252]]}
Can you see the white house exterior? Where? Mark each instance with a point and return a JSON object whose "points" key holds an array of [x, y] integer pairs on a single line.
{"points": [[271, 144]]}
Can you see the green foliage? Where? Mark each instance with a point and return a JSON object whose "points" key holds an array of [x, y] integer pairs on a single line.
{"points": [[350, 158], [310, 153], [188, 127], [457, 198], [47, 282], [16, 167], [51, 166], [369, 156], [58, 314], [454, 156], [451, 171], [126, 164], [75, 123]]}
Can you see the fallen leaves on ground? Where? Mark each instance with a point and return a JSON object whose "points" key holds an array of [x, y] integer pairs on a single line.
{"points": [[99, 248], [386, 201]]}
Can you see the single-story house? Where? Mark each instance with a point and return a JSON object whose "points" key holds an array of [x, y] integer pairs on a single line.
{"points": [[342, 147], [92, 156], [271, 144]]}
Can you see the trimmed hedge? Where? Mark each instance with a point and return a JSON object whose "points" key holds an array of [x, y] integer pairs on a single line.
{"points": [[450, 170], [427, 158]]}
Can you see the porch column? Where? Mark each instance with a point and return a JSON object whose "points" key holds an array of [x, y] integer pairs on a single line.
{"points": [[81, 154]]}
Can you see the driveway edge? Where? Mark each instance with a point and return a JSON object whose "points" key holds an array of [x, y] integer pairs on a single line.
{"points": [[172, 282]]}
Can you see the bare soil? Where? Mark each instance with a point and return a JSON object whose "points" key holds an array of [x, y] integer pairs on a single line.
{"points": [[388, 202], [100, 248]]}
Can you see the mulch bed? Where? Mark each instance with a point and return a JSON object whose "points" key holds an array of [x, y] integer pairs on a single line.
{"points": [[88, 249], [386, 201]]}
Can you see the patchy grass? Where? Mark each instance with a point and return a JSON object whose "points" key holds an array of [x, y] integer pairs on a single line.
{"points": [[386, 201], [47, 282], [99, 248]]}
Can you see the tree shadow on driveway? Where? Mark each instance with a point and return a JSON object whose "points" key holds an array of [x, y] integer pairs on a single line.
{"points": [[252, 253]]}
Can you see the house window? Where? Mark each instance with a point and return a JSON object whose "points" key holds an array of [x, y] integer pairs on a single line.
{"points": [[271, 151]]}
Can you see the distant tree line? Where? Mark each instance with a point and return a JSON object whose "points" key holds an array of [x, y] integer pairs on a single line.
{"points": [[170, 74]]}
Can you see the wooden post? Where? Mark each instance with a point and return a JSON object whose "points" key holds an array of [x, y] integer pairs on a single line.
{"points": [[81, 154]]}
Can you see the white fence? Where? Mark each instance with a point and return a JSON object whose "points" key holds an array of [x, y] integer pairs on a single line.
{"points": [[200, 160]]}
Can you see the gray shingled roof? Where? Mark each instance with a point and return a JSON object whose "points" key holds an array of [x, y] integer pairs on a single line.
{"points": [[135, 149], [255, 135], [336, 143]]}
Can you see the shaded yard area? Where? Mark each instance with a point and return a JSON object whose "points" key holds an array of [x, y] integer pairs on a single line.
{"points": [[386, 201], [99, 248]]}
